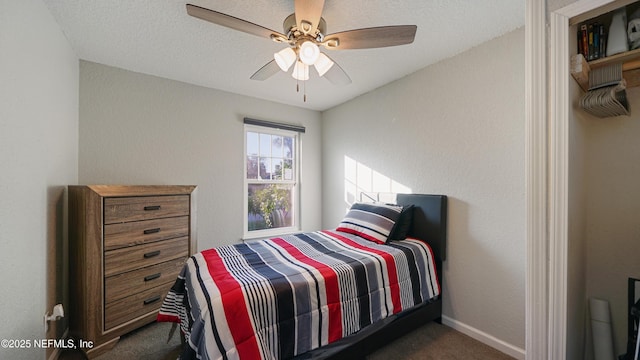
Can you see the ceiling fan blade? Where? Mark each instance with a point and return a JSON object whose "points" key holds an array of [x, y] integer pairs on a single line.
{"points": [[231, 22], [337, 76], [308, 11], [374, 37], [268, 70]]}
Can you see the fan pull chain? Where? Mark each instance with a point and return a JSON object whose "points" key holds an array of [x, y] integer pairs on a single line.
{"points": [[304, 89]]}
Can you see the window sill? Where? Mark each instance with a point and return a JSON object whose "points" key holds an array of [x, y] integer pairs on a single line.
{"points": [[266, 234]]}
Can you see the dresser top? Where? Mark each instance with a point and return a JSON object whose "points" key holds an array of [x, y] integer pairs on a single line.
{"points": [[137, 190]]}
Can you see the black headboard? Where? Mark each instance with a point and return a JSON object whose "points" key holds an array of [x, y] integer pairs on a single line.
{"points": [[429, 220]]}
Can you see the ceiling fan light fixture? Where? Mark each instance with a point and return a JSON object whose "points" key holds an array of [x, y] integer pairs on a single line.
{"points": [[285, 58], [323, 64], [309, 53], [300, 71]]}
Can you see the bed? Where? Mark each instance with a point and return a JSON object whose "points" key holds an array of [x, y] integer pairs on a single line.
{"points": [[332, 294]]}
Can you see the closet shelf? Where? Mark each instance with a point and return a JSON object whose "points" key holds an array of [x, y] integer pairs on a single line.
{"points": [[630, 67]]}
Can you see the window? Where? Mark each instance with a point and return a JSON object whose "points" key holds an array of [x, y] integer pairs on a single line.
{"points": [[271, 181]]}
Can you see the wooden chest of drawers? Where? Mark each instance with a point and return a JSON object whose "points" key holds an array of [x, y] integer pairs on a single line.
{"points": [[127, 245]]}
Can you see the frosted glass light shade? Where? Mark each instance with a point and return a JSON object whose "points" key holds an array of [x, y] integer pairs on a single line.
{"points": [[285, 58], [300, 71], [323, 64], [309, 53]]}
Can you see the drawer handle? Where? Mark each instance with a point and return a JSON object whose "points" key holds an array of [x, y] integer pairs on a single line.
{"points": [[152, 254], [153, 207], [151, 300], [151, 231], [152, 277]]}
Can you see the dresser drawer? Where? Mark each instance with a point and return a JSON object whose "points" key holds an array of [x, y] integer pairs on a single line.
{"points": [[125, 209], [131, 307], [131, 258], [122, 285], [141, 232]]}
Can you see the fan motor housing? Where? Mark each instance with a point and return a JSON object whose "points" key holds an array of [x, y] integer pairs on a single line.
{"points": [[290, 27]]}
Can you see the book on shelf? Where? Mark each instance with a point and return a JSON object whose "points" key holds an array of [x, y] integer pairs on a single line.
{"points": [[592, 41]]}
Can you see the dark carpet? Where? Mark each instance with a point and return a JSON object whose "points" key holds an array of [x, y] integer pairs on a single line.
{"points": [[430, 342]]}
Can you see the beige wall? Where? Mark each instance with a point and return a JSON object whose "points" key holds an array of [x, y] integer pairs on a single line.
{"points": [[141, 129], [553, 5], [38, 158], [454, 128]]}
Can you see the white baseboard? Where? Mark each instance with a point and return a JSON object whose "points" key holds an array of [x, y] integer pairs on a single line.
{"points": [[485, 338]]}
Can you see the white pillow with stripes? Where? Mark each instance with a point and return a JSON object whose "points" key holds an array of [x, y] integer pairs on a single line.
{"points": [[373, 222]]}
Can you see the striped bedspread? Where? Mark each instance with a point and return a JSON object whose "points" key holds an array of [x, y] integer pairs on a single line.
{"points": [[278, 298]]}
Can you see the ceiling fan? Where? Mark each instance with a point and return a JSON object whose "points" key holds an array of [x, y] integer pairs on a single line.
{"points": [[304, 32]]}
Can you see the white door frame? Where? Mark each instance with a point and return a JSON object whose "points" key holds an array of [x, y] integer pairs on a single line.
{"points": [[547, 164], [536, 179]]}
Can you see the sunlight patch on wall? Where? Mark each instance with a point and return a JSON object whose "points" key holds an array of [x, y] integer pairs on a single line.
{"points": [[359, 178]]}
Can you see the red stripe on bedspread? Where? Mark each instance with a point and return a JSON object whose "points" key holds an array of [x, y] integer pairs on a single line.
{"points": [[234, 302], [392, 272], [167, 318], [331, 283]]}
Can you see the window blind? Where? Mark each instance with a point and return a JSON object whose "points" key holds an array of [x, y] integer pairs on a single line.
{"points": [[275, 125]]}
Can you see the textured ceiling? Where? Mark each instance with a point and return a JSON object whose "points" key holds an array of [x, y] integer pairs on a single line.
{"points": [[157, 37]]}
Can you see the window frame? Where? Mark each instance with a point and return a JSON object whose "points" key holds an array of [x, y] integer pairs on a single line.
{"points": [[295, 213]]}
